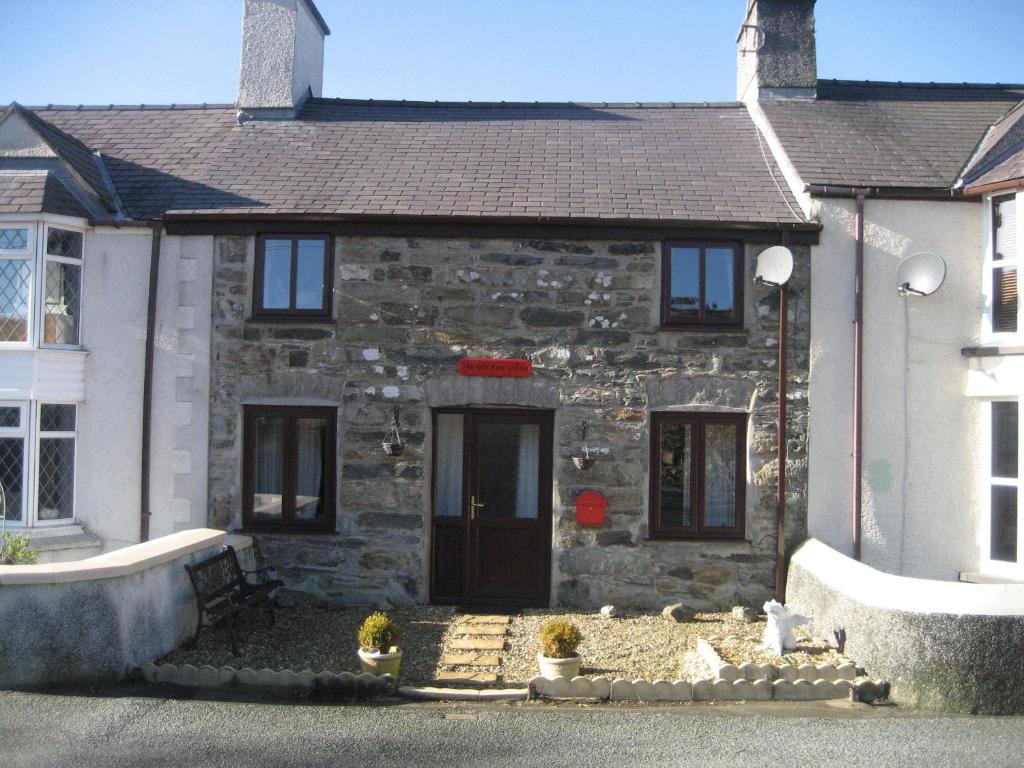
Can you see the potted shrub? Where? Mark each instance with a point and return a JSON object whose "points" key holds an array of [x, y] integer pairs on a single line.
{"points": [[377, 650], [559, 640]]}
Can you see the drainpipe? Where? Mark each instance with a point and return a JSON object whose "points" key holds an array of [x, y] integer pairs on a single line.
{"points": [[860, 194], [147, 381], [780, 514], [858, 376]]}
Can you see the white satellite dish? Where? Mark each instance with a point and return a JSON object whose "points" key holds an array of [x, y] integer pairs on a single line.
{"points": [[774, 266], [920, 274]]}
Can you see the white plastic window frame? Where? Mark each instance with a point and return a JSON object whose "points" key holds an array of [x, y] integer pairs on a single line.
{"points": [[37, 436], [40, 294], [21, 431], [988, 566], [989, 265], [28, 255]]}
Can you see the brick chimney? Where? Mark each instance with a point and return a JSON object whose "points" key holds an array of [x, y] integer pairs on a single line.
{"points": [[282, 57], [775, 53]]}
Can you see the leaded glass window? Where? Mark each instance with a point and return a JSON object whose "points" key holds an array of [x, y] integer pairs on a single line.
{"points": [[56, 473], [62, 305]]}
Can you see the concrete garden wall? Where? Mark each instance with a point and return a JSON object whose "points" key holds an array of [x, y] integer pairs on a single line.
{"points": [[95, 620], [942, 645]]}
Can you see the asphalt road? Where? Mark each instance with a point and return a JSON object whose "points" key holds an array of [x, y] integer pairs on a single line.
{"points": [[44, 731]]}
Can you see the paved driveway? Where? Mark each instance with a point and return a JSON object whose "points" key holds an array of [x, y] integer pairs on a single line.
{"points": [[44, 731]]}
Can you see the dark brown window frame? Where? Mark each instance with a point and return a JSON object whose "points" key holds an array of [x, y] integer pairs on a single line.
{"points": [[287, 522], [702, 322], [259, 312], [697, 529]]}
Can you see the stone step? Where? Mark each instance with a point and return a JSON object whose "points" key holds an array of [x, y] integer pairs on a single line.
{"points": [[466, 678], [470, 618], [479, 644], [470, 660], [479, 629]]}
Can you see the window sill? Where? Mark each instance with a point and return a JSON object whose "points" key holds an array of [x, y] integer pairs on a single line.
{"points": [[307, 319], [706, 329], [280, 531], [701, 539], [993, 350]]}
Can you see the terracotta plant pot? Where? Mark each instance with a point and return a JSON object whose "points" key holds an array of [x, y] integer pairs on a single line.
{"points": [[552, 668], [377, 663]]}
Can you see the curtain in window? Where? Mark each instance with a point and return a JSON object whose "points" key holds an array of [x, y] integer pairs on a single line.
{"points": [[269, 460], [448, 478], [720, 476], [309, 491], [527, 478]]}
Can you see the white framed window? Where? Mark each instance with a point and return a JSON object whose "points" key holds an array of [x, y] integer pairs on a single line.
{"points": [[61, 287], [37, 462], [1003, 316], [1000, 533], [13, 461], [17, 268]]}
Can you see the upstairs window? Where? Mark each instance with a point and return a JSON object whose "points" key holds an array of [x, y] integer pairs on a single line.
{"points": [[293, 277], [1005, 300], [49, 314], [16, 259], [702, 285], [62, 290]]}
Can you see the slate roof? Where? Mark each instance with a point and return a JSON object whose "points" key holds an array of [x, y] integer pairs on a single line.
{"points": [[889, 135], [692, 163], [73, 152], [1000, 157], [37, 192]]}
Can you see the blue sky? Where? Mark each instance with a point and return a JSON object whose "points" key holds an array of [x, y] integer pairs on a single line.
{"points": [[177, 51]]}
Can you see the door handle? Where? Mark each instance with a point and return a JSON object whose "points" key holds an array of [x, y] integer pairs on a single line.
{"points": [[473, 507]]}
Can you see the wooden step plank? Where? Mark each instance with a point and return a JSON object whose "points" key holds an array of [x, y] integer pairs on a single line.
{"points": [[471, 618], [466, 678], [470, 660], [479, 629], [479, 644]]}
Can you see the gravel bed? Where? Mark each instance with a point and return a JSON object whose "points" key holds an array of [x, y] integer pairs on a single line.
{"points": [[631, 645], [320, 639], [745, 647]]}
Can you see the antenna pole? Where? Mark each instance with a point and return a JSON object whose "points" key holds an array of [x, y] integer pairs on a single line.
{"points": [[780, 517]]}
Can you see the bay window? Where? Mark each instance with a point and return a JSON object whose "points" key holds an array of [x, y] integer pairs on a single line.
{"points": [[40, 285], [37, 462]]}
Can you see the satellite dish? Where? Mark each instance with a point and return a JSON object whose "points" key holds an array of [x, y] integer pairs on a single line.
{"points": [[920, 274], [774, 266]]}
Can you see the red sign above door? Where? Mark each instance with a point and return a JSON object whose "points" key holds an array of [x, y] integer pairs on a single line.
{"points": [[489, 366]]}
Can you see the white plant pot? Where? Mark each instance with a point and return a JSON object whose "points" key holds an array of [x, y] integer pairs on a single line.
{"points": [[552, 668], [377, 663]]}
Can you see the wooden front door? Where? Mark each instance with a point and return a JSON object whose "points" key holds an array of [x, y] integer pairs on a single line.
{"points": [[491, 531]]}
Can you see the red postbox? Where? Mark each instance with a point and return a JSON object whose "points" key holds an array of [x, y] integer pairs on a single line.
{"points": [[591, 507]]}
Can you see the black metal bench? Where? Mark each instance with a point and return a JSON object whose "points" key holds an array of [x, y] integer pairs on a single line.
{"points": [[223, 591]]}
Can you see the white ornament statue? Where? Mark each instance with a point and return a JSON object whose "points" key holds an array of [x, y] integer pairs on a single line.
{"points": [[778, 634]]}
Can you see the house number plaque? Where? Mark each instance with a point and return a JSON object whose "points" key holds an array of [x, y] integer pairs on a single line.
{"points": [[500, 367]]}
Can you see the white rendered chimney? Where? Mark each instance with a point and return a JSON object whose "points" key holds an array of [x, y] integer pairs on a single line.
{"points": [[282, 56]]}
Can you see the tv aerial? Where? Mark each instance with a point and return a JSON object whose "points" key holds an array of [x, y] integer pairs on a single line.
{"points": [[774, 266], [920, 274]]}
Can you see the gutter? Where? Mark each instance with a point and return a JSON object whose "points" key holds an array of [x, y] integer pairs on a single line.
{"points": [[995, 186], [147, 382], [860, 194]]}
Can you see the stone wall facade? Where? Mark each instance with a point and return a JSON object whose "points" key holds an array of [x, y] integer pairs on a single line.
{"points": [[586, 313]]}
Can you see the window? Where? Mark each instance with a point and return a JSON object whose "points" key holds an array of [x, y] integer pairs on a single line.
{"points": [[55, 307], [698, 475], [1003, 281], [293, 277], [289, 468], [1005, 483], [62, 288], [37, 462], [16, 259], [702, 285]]}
